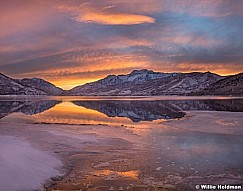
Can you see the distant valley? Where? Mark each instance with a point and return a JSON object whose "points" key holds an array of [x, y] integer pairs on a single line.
{"points": [[137, 83]]}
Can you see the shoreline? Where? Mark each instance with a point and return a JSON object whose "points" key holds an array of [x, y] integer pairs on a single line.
{"points": [[162, 97], [28, 168]]}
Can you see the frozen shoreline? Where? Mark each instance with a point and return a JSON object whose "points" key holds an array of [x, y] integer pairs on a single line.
{"points": [[24, 168]]}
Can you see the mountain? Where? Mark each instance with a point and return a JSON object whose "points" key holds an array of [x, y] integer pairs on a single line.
{"points": [[42, 85], [184, 84], [137, 83], [34, 86], [9, 86], [135, 77], [146, 82], [120, 84], [231, 85], [110, 84]]}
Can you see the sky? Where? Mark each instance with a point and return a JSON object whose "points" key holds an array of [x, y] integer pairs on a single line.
{"points": [[72, 42]]}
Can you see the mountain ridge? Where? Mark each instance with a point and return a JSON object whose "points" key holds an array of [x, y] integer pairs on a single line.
{"points": [[137, 83], [146, 82], [230, 85], [42, 85], [27, 86]]}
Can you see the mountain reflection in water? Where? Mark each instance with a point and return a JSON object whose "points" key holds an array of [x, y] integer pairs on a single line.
{"points": [[26, 107], [134, 110], [105, 111]]}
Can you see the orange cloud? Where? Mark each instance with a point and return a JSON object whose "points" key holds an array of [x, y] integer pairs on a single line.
{"points": [[89, 13], [114, 19]]}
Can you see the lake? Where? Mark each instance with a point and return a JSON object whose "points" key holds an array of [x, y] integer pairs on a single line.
{"points": [[122, 142], [128, 111]]}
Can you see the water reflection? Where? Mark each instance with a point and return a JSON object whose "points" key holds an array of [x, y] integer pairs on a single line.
{"points": [[114, 111], [115, 175], [230, 105], [134, 110], [26, 107]]}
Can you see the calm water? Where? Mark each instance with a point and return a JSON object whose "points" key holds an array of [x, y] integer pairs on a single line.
{"points": [[127, 111]]}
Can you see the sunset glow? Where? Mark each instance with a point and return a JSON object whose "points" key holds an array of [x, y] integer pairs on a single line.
{"points": [[74, 42]]}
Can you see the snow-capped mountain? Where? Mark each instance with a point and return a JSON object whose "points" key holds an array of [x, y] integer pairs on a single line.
{"points": [[34, 86], [135, 77], [42, 85], [185, 84], [147, 82], [137, 83], [9, 86], [231, 85]]}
